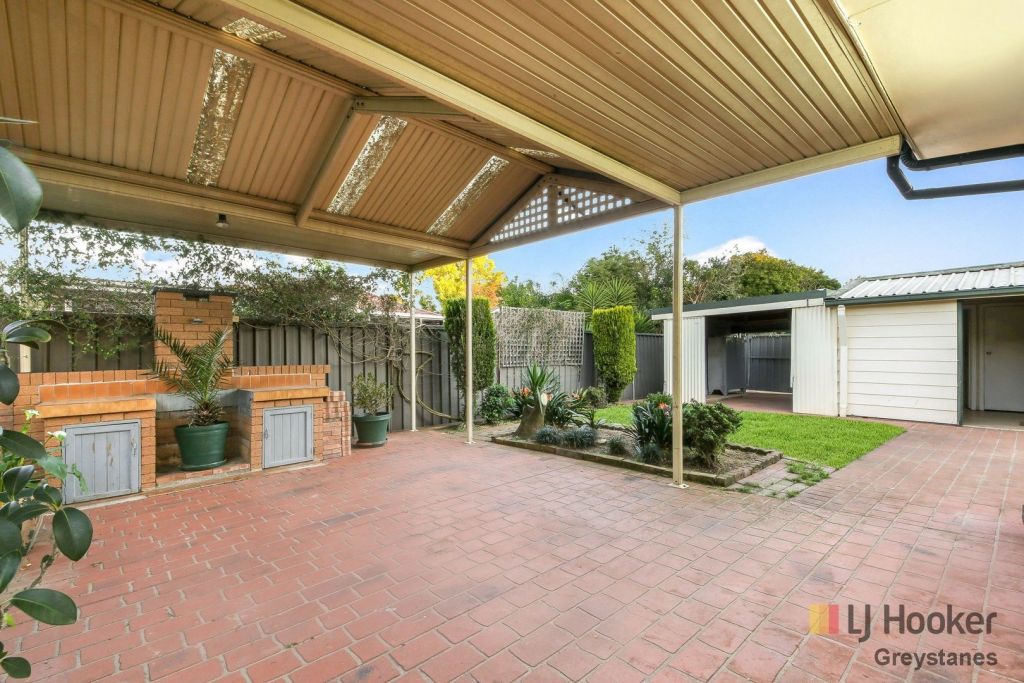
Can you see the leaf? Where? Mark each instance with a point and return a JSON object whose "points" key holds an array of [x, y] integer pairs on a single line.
{"points": [[23, 445], [16, 667], [9, 564], [46, 605], [15, 479], [9, 385], [20, 192], [28, 511], [72, 531], [48, 494], [28, 335], [10, 537]]}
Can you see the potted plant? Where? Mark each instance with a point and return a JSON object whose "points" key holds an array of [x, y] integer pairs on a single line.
{"points": [[197, 377], [373, 398]]}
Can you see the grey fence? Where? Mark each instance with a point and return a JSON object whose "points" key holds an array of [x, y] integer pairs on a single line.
{"points": [[760, 362]]}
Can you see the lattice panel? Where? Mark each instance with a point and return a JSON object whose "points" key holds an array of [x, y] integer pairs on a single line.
{"points": [[539, 335], [574, 204], [568, 204]]}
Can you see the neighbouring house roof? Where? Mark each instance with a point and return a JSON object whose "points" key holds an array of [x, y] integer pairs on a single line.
{"points": [[952, 283]]}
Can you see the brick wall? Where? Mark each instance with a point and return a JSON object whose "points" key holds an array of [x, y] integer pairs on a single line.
{"points": [[191, 317], [337, 426]]}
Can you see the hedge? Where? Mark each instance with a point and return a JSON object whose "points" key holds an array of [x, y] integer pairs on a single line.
{"points": [[614, 332], [485, 342]]}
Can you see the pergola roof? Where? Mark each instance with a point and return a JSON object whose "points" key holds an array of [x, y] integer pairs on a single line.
{"points": [[410, 132]]}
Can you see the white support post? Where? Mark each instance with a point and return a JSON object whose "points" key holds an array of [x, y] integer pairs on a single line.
{"points": [[677, 347], [469, 350], [844, 361], [412, 349]]}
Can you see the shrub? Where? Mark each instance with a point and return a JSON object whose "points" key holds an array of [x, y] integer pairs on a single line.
{"points": [[198, 374], [614, 348], [551, 436], [650, 453], [620, 445], [658, 398], [706, 427], [485, 341], [652, 424], [596, 397], [532, 399], [496, 404], [371, 396], [579, 437], [559, 410]]}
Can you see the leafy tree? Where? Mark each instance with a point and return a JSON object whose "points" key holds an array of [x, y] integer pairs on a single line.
{"points": [[485, 341], [524, 294], [450, 280], [614, 348], [761, 274]]}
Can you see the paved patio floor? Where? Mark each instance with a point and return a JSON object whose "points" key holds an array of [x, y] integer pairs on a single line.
{"points": [[430, 560]]}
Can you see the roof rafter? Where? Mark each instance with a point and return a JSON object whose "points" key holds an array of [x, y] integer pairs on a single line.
{"points": [[295, 20], [326, 168]]}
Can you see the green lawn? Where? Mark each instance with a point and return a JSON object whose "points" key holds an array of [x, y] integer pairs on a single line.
{"points": [[831, 441]]}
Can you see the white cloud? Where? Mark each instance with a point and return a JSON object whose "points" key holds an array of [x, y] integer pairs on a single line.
{"points": [[738, 245]]}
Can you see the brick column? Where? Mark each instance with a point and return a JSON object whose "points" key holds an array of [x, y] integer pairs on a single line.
{"points": [[192, 316], [337, 438]]}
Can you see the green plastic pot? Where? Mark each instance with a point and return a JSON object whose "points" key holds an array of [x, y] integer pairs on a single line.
{"points": [[372, 430], [201, 447]]}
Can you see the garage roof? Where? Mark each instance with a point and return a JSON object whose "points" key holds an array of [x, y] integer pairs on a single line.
{"points": [[999, 279], [410, 132]]}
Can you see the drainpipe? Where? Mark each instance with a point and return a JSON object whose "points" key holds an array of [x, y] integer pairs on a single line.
{"points": [[469, 350], [844, 366], [677, 347], [413, 393]]}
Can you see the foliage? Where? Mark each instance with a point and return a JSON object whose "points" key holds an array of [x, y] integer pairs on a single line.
{"points": [[706, 428], [580, 437], [658, 397], [527, 294], [24, 499], [198, 374], [496, 404], [620, 445], [370, 395], [548, 435], [485, 342], [595, 294], [560, 410], [586, 415], [650, 453], [450, 280], [614, 348], [652, 423], [595, 397], [538, 384], [761, 274], [831, 441]]}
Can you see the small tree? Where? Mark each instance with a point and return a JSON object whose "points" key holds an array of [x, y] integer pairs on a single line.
{"points": [[485, 341], [614, 348]]}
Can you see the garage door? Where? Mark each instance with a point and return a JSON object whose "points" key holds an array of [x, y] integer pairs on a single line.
{"points": [[287, 435], [108, 456]]}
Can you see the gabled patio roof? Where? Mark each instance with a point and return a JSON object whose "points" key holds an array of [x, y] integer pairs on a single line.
{"points": [[408, 133]]}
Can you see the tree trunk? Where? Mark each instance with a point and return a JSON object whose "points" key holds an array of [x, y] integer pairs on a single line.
{"points": [[533, 419]]}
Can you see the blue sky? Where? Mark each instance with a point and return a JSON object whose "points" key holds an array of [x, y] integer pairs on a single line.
{"points": [[849, 222]]}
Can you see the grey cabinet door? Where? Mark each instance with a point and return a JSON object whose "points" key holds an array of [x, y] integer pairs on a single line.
{"points": [[108, 454], [287, 435]]}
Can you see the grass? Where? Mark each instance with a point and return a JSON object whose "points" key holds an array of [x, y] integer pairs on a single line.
{"points": [[830, 441]]}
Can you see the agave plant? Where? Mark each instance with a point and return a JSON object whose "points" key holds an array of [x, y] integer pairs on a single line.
{"points": [[198, 374]]}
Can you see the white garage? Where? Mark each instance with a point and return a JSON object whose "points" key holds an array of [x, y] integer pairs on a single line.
{"points": [[943, 346]]}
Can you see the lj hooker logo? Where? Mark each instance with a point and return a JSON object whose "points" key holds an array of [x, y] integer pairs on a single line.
{"points": [[831, 619]]}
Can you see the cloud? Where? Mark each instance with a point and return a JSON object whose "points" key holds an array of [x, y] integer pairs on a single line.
{"points": [[737, 245]]}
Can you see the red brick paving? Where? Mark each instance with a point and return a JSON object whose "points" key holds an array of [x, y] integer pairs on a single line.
{"points": [[430, 560]]}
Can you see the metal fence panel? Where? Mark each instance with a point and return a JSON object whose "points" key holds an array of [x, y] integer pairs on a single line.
{"points": [[768, 365]]}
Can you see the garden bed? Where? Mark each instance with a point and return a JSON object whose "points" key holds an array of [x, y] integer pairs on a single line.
{"points": [[737, 462]]}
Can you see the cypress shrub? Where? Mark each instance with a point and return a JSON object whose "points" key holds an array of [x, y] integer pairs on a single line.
{"points": [[614, 334], [485, 341]]}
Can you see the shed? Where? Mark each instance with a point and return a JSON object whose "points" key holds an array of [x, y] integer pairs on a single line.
{"points": [[942, 346]]}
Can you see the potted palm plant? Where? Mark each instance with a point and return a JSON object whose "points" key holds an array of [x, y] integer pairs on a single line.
{"points": [[373, 398], [197, 377]]}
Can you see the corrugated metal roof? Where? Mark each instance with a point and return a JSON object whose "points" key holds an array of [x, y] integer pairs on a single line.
{"points": [[956, 282]]}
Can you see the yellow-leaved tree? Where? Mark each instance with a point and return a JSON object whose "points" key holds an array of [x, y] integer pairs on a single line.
{"points": [[450, 280]]}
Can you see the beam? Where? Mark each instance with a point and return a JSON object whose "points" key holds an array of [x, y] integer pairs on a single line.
{"points": [[491, 146], [877, 149], [434, 263], [328, 164], [116, 182], [414, 107], [296, 21]]}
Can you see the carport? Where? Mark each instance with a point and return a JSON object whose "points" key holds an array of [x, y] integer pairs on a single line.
{"points": [[407, 134]]}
